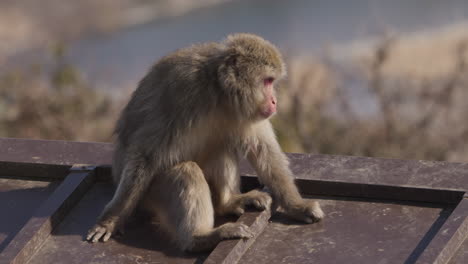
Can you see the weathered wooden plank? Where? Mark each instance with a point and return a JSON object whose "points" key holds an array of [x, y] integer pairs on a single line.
{"points": [[328, 168], [19, 198], [430, 182], [47, 217], [55, 152], [449, 238], [33, 170], [372, 191], [230, 251], [353, 231]]}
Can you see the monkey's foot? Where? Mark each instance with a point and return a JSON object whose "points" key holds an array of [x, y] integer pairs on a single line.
{"points": [[234, 230], [307, 211], [101, 230], [260, 200], [207, 241]]}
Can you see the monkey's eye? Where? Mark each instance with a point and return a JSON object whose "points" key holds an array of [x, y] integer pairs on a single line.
{"points": [[268, 81]]}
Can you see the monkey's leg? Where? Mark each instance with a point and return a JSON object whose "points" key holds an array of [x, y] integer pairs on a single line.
{"points": [[185, 208], [224, 179], [136, 178]]}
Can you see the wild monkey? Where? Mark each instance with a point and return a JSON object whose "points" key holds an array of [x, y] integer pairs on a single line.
{"points": [[179, 138]]}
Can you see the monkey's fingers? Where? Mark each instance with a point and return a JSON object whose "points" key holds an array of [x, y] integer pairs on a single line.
{"points": [[308, 212], [258, 205], [318, 214], [314, 211]]}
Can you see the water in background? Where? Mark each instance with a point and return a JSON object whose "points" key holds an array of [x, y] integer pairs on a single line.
{"points": [[296, 26]]}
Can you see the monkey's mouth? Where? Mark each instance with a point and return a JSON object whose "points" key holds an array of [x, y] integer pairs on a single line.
{"points": [[268, 112], [269, 109]]}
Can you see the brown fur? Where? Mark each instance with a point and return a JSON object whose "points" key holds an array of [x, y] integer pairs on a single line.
{"points": [[179, 138]]}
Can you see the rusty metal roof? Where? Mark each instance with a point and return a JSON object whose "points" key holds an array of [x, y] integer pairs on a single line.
{"points": [[377, 211]]}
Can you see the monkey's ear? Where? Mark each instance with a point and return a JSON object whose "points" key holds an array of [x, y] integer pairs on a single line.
{"points": [[228, 72]]}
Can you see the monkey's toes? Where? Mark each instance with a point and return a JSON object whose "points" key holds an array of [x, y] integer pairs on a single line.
{"points": [[98, 232], [239, 210], [262, 201], [235, 230]]}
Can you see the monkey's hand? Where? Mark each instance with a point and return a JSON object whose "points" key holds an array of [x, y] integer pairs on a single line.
{"points": [[306, 211], [103, 229]]}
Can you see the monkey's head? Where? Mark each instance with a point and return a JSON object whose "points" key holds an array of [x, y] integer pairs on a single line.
{"points": [[247, 73]]}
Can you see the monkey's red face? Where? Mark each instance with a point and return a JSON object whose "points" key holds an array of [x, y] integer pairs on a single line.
{"points": [[268, 106]]}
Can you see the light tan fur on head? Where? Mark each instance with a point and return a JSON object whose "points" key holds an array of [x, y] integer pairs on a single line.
{"points": [[259, 50], [249, 59], [180, 136]]}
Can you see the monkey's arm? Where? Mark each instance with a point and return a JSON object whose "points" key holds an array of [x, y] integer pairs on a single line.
{"points": [[272, 167], [133, 184]]}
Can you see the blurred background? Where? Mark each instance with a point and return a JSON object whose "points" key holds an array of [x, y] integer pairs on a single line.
{"points": [[366, 77]]}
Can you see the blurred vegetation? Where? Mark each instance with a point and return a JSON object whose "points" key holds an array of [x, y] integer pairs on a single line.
{"points": [[417, 116], [54, 102]]}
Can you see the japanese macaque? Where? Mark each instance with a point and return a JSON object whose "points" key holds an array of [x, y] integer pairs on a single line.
{"points": [[179, 139]]}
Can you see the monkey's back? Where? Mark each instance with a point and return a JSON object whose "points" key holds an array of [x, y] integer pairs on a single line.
{"points": [[168, 101]]}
